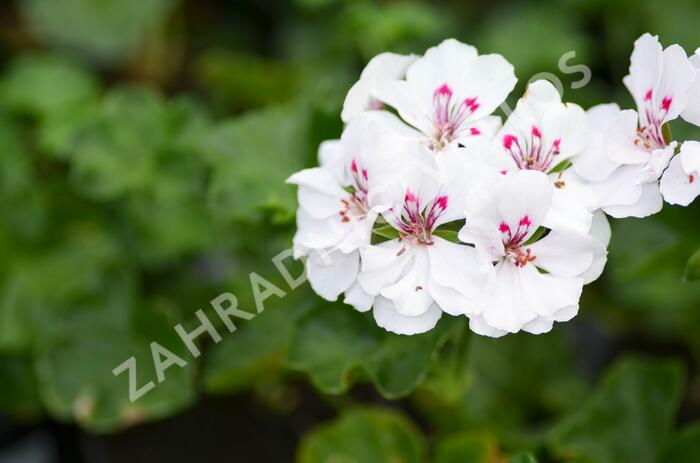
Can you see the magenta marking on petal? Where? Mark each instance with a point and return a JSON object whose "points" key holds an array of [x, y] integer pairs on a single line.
{"points": [[475, 131], [508, 141], [648, 95], [444, 89], [666, 103], [353, 166], [536, 132], [525, 221], [504, 172]]}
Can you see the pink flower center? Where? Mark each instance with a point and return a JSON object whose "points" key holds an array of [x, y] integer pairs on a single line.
{"points": [[355, 206], [529, 152], [650, 133], [513, 241], [450, 117], [417, 221]]}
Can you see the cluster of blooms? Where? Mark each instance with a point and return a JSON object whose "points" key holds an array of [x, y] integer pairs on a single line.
{"points": [[428, 203]]}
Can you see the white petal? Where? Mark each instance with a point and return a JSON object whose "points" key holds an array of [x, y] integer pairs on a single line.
{"points": [[358, 298], [385, 66], [677, 187], [618, 140], [455, 266], [479, 326], [572, 203], [692, 109], [319, 193], [524, 193], [600, 232], [382, 265], [622, 187], [646, 65], [410, 294], [546, 294], [489, 79], [390, 320], [690, 157], [332, 274], [539, 325], [649, 203], [564, 253], [331, 158], [503, 305], [676, 80]]}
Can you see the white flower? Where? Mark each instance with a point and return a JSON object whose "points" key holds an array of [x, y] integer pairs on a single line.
{"points": [[692, 110], [536, 281], [681, 181], [631, 151], [385, 66], [543, 134], [336, 211], [420, 274], [449, 93]]}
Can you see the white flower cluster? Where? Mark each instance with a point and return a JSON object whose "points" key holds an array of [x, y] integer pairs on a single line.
{"points": [[429, 204]]}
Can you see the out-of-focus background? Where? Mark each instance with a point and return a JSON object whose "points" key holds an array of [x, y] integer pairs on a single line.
{"points": [[143, 150]]}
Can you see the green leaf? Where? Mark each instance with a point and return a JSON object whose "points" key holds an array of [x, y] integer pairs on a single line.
{"points": [[252, 156], [692, 268], [384, 233], [255, 350], [561, 167], [684, 447], [333, 343], [105, 31], [523, 457], [78, 351], [467, 447], [18, 386], [627, 418], [46, 85], [364, 435]]}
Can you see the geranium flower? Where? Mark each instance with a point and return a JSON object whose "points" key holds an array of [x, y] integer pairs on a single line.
{"points": [[448, 94], [383, 67], [419, 274], [632, 150], [336, 211], [543, 134], [536, 280]]}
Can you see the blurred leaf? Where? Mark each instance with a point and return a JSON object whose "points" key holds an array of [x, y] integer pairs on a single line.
{"points": [[75, 371], [45, 85], [692, 268], [104, 30], [525, 457], [239, 81], [18, 386], [467, 448], [21, 203], [683, 447], [255, 349], [252, 157], [333, 342], [364, 435], [627, 418], [488, 383], [401, 27]]}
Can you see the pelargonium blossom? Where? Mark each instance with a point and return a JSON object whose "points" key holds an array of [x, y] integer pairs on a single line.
{"points": [[537, 280], [420, 274], [449, 93], [544, 134], [633, 149], [336, 211]]}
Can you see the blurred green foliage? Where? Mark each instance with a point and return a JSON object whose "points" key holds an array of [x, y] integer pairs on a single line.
{"points": [[143, 151]]}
